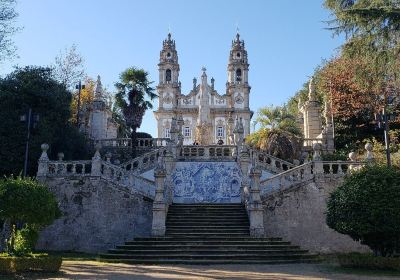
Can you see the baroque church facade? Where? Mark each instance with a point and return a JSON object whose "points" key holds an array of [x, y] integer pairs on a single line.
{"points": [[208, 116]]}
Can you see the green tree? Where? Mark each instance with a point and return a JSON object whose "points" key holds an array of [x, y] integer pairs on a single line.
{"points": [[33, 87], [7, 28], [134, 96], [367, 208], [24, 200], [279, 134]]}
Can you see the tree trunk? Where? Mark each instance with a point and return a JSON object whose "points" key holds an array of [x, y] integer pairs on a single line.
{"points": [[133, 139], [10, 248]]}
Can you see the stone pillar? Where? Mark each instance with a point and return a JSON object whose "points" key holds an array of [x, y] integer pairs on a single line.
{"points": [[43, 166], [96, 162], [159, 207], [244, 162], [255, 208], [318, 165]]}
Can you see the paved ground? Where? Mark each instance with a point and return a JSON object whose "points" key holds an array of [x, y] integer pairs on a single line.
{"points": [[95, 270]]}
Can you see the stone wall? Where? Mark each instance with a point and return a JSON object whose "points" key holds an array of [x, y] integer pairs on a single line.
{"points": [[298, 215], [97, 215]]}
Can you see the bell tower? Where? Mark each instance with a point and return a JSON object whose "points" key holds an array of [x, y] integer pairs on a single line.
{"points": [[169, 86], [238, 88]]}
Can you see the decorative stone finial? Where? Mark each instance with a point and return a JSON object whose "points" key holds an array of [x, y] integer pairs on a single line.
{"points": [[108, 157], [60, 156], [98, 90], [352, 156], [194, 83], [317, 147], [311, 89], [97, 153], [369, 156], [212, 83], [44, 155]]}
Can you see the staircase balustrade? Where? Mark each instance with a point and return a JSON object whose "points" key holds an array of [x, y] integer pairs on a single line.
{"points": [[69, 168], [144, 162], [307, 172], [211, 152], [271, 163]]}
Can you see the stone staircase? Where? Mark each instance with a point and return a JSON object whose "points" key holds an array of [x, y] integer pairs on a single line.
{"points": [[207, 234]]}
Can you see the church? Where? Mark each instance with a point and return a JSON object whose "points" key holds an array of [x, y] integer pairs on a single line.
{"points": [[208, 117]]}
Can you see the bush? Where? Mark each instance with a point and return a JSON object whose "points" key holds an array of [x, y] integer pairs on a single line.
{"points": [[367, 261], [367, 208], [25, 240], [42, 262], [26, 201]]}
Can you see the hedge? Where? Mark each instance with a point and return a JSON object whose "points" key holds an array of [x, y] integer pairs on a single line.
{"points": [[44, 263], [368, 261]]}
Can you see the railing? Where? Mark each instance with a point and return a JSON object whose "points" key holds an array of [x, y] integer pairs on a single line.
{"points": [[144, 162], [306, 172], [340, 167], [141, 143], [69, 168], [211, 152], [271, 163], [287, 179]]}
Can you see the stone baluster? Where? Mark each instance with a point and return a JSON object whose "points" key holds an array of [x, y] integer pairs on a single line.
{"points": [[255, 208], [159, 205], [96, 162], [43, 167]]}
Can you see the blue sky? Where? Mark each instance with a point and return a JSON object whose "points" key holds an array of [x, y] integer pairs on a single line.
{"points": [[285, 40]]}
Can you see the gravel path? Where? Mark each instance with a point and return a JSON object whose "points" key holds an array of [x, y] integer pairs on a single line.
{"points": [[95, 270]]}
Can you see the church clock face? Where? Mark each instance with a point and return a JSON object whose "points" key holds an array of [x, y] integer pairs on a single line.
{"points": [[239, 99]]}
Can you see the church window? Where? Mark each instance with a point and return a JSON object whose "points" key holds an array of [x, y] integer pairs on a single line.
{"points": [[167, 133], [168, 55], [186, 131], [168, 75], [238, 55], [220, 132], [238, 75]]}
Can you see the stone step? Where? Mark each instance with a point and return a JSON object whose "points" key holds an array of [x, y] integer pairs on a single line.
{"points": [[306, 259], [217, 251], [201, 227], [210, 217], [207, 224], [220, 256], [207, 246], [201, 205], [210, 239]]}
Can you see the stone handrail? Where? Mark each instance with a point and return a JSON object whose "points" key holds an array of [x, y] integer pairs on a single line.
{"points": [[307, 172], [116, 174], [210, 152], [287, 178], [143, 163], [69, 168], [271, 163]]}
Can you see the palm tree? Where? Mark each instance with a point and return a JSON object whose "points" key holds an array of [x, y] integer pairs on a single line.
{"points": [[134, 96]]}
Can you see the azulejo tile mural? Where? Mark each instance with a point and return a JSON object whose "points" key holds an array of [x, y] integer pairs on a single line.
{"points": [[207, 182]]}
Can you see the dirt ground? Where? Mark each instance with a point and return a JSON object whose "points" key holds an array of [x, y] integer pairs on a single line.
{"points": [[96, 270]]}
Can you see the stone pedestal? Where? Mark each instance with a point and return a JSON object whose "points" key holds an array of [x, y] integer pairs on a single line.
{"points": [[159, 205], [43, 165], [255, 208]]}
